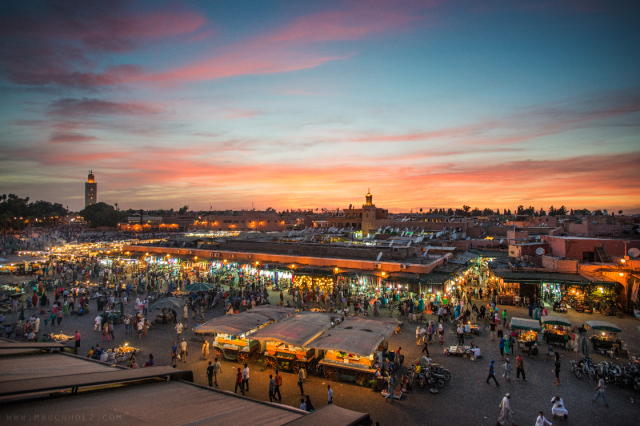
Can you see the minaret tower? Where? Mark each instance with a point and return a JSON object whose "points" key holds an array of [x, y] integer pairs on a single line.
{"points": [[90, 190], [368, 213]]}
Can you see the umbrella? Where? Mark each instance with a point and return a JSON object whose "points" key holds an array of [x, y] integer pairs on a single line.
{"points": [[196, 287], [169, 302]]}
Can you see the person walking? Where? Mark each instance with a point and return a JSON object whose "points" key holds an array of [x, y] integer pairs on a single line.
{"points": [[506, 414], [392, 383], [504, 317], [600, 392], [245, 378], [520, 367], [278, 383], [301, 380], [77, 337], [179, 328], [485, 321], [542, 421], [239, 382], [330, 394], [460, 331], [105, 332], [205, 350], [210, 374], [425, 349], [501, 346], [174, 355], [492, 327], [492, 373], [183, 351], [309, 404], [272, 387], [507, 370], [556, 369], [217, 368], [113, 337], [97, 323]]}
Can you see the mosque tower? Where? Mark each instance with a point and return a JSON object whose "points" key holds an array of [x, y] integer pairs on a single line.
{"points": [[90, 190]]}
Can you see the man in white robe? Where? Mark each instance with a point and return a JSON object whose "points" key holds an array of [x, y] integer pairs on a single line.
{"points": [[506, 415]]}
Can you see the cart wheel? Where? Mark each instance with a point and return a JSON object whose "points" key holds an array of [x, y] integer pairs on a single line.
{"points": [[243, 357], [297, 365], [362, 378], [219, 353], [270, 362], [330, 373]]}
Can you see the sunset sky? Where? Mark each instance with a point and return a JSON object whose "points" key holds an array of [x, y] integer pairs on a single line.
{"points": [[308, 104]]}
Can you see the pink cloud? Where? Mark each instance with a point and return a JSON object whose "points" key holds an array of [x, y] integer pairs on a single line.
{"points": [[63, 45], [289, 48]]}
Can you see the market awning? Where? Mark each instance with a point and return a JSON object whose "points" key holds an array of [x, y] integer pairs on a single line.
{"points": [[525, 324], [297, 330], [355, 335], [603, 325], [239, 324], [555, 320]]}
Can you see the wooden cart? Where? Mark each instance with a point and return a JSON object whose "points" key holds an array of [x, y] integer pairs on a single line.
{"points": [[555, 330], [290, 358], [234, 349], [338, 365]]}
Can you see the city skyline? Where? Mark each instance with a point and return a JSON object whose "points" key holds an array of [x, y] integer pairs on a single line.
{"points": [[288, 104]]}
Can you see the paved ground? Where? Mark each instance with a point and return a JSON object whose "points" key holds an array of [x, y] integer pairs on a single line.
{"points": [[466, 399]]}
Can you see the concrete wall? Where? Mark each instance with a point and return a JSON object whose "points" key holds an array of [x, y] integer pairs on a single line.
{"points": [[560, 265], [574, 248]]}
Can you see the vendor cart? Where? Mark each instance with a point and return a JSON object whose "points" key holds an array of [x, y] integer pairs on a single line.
{"points": [[472, 353], [557, 331], [231, 331], [606, 339], [121, 353], [286, 341], [233, 348], [351, 349], [527, 334]]}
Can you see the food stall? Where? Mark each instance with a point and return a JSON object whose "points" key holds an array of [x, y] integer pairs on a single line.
{"points": [[60, 338], [121, 353], [556, 330], [528, 330], [231, 332], [286, 341], [352, 349], [607, 337]]}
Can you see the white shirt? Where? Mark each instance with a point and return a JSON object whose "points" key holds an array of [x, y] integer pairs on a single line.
{"points": [[183, 346], [541, 421], [179, 328], [330, 395], [245, 374]]}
